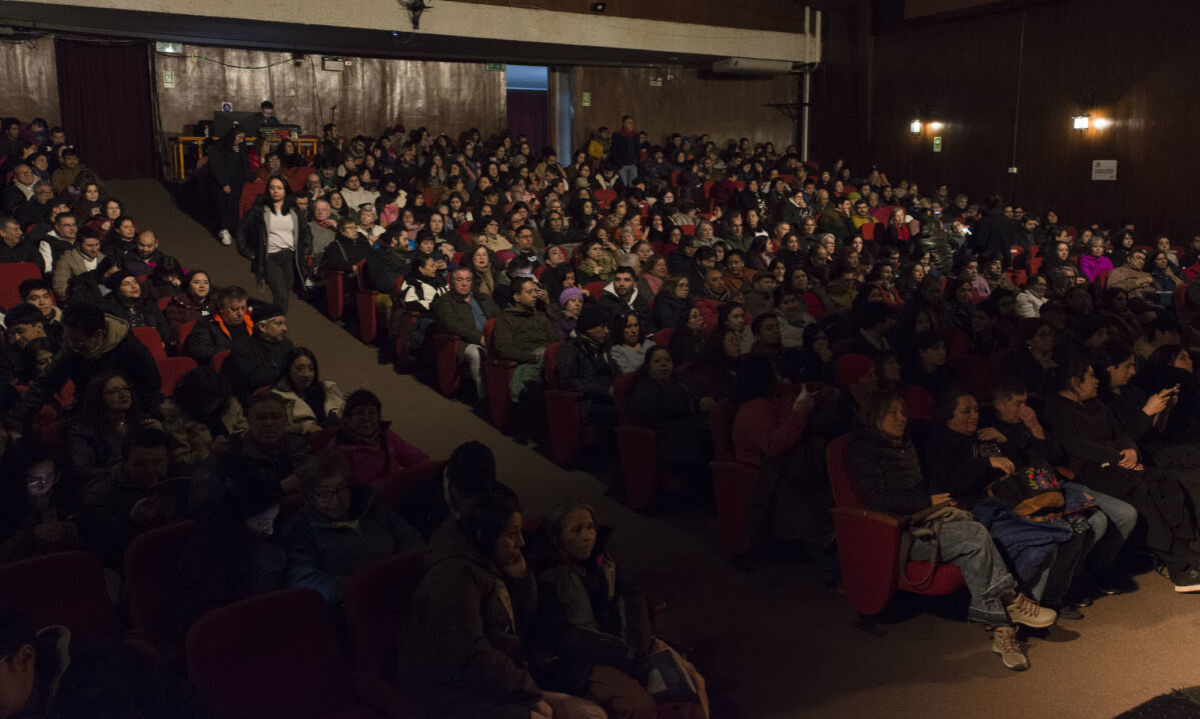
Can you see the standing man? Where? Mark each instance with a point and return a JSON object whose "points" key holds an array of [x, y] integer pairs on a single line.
{"points": [[624, 152]]}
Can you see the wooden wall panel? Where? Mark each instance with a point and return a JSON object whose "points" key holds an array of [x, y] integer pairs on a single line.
{"points": [[778, 15], [29, 80], [370, 94], [688, 104], [1127, 63]]}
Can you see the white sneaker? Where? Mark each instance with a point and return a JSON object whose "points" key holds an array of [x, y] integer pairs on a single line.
{"points": [[226, 238]]}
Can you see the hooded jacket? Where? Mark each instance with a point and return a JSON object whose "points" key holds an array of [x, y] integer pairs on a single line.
{"points": [[467, 624], [120, 351]]}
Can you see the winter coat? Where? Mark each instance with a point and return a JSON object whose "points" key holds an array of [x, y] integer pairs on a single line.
{"points": [[637, 303], [229, 168], [301, 416], [585, 367], [256, 362], [520, 332], [121, 351], [886, 472], [322, 553], [210, 336], [466, 642], [455, 317], [591, 613], [143, 312], [375, 463], [252, 239], [183, 309]]}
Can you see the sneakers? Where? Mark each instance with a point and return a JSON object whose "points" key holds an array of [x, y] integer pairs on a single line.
{"points": [[1187, 581], [1024, 610], [226, 238], [1004, 643]]}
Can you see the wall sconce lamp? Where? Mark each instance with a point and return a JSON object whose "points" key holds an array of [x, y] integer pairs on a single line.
{"points": [[1081, 121], [935, 125], [915, 127], [1101, 123]]}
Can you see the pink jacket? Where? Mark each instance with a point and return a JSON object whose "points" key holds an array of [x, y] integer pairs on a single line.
{"points": [[372, 465]]}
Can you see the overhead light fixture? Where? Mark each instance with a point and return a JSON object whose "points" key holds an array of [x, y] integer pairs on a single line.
{"points": [[598, 7], [1081, 121], [915, 127]]}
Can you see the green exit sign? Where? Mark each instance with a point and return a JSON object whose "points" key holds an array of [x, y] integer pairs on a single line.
{"points": [[937, 143], [495, 66]]}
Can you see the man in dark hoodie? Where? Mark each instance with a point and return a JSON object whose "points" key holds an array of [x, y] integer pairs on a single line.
{"points": [[622, 296], [624, 152], [93, 342], [996, 232]]}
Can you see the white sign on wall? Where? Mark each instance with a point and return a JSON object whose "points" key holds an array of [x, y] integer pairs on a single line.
{"points": [[1104, 170]]}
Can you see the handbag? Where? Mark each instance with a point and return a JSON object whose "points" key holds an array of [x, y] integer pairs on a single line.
{"points": [[925, 525], [1034, 493]]}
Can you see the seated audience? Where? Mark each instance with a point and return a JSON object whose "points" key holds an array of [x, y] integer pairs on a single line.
{"points": [[235, 553], [83, 256], [376, 453], [218, 331], [202, 416], [463, 312], [1103, 456], [622, 295], [49, 673], [596, 618], [39, 502], [194, 301], [584, 366], [260, 360], [93, 343], [125, 300], [341, 527], [523, 332], [475, 604], [137, 494], [884, 467], [311, 402]]}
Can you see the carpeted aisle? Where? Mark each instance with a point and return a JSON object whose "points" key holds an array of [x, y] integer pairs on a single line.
{"points": [[773, 642]]}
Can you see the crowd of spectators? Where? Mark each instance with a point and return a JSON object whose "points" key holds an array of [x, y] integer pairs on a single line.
{"points": [[740, 296]]}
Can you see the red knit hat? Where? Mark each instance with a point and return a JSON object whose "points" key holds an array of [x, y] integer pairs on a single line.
{"points": [[853, 367]]}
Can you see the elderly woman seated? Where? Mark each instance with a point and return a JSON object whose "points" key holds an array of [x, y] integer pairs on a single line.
{"points": [[884, 467], [340, 528], [596, 619]]}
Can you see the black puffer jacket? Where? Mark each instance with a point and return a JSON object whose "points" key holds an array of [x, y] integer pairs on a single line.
{"points": [[886, 472]]}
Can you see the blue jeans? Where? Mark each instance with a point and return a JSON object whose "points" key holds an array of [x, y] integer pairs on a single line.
{"points": [[968, 546], [627, 173], [1117, 513]]}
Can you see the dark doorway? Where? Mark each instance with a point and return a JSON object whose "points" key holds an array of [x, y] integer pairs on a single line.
{"points": [[104, 94], [528, 99]]}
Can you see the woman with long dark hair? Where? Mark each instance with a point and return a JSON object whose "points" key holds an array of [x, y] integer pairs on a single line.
{"points": [[311, 402], [276, 239]]}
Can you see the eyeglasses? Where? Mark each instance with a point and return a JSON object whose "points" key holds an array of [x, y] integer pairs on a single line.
{"points": [[327, 495], [41, 481], [116, 391]]}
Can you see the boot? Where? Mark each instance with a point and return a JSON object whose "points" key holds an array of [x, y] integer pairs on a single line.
{"points": [[1004, 643]]}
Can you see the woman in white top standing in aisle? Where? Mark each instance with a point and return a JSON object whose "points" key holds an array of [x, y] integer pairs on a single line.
{"points": [[276, 239]]}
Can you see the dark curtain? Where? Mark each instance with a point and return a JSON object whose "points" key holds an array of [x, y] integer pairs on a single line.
{"points": [[104, 96], [529, 114]]}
